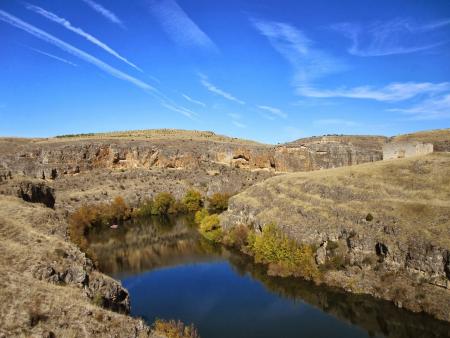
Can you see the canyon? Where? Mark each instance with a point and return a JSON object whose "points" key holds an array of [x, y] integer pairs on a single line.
{"points": [[318, 190]]}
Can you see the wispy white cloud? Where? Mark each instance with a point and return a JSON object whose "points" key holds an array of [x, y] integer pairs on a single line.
{"points": [[212, 88], [105, 12], [40, 34], [308, 61], [236, 120], [65, 23], [179, 26], [235, 116], [274, 111], [434, 108], [179, 109], [390, 93], [190, 99], [398, 36], [238, 124], [52, 56], [340, 122]]}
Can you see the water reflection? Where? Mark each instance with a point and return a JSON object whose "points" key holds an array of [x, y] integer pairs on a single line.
{"points": [[172, 272]]}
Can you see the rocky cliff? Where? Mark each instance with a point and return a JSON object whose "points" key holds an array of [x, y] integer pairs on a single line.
{"points": [[381, 229], [53, 158]]}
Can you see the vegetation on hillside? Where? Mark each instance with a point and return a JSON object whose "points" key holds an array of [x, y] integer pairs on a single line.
{"points": [[209, 225], [218, 202], [193, 201], [165, 133], [283, 256], [174, 329], [74, 135], [88, 217]]}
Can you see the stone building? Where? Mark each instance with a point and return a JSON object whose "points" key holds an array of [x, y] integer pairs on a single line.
{"points": [[394, 150]]}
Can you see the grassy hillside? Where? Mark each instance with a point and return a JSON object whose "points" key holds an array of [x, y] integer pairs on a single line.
{"points": [[412, 195], [439, 137], [169, 134], [373, 141]]}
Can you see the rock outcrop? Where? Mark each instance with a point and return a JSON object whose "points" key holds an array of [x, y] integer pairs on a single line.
{"points": [[49, 287], [51, 159], [36, 192]]}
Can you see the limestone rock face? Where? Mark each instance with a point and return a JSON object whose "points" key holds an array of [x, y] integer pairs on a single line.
{"points": [[55, 158], [36, 192]]}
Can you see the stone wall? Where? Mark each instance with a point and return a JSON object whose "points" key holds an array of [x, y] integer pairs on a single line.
{"points": [[396, 150]]}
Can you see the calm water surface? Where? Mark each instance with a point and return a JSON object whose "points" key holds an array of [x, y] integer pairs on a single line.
{"points": [[173, 273]]}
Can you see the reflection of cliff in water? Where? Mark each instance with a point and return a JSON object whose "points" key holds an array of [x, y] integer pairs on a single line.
{"points": [[145, 244], [377, 317], [157, 242]]}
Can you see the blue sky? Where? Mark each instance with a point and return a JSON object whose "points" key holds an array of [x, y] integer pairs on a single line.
{"points": [[266, 70]]}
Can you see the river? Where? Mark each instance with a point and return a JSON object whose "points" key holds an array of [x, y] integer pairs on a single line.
{"points": [[171, 272]]}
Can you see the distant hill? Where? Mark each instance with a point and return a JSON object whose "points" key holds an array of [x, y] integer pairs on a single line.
{"points": [[439, 137], [179, 134]]}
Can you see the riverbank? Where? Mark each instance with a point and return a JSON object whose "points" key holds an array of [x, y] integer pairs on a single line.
{"points": [[379, 229]]}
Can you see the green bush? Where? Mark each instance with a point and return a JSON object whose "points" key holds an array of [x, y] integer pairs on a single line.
{"points": [[218, 202], [282, 254], [163, 203], [210, 227], [193, 201], [369, 217], [178, 207], [200, 215], [145, 209]]}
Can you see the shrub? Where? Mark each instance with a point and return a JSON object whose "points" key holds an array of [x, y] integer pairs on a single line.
{"points": [[210, 227], [336, 262], [88, 217], [274, 248], [145, 209], [236, 236], [174, 329], [371, 259], [200, 215], [193, 200], [162, 203], [119, 209], [369, 217], [218, 202], [178, 207], [98, 299]]}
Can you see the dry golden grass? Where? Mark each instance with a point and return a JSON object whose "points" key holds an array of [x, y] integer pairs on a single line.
{"points": [[413, 194], [31, 236], [425, 136], [160, 134]]}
